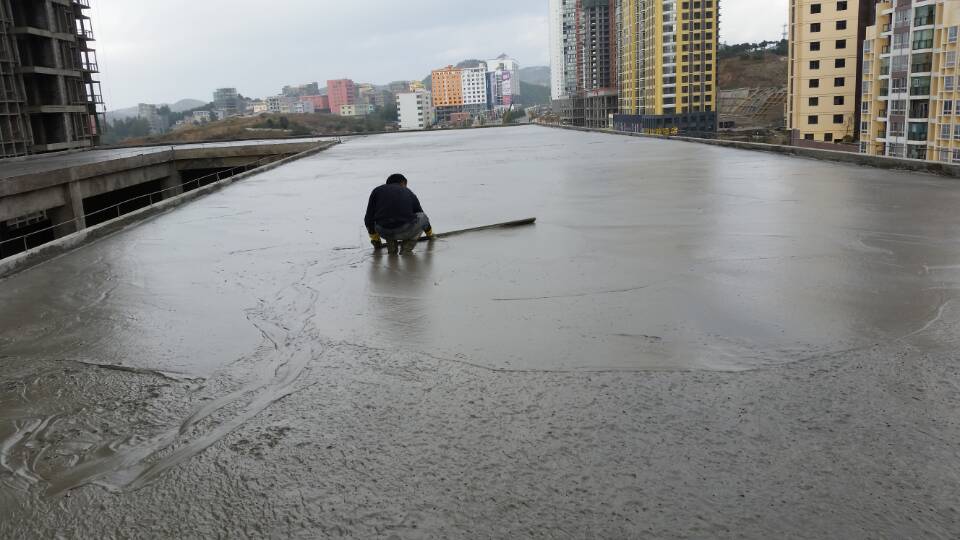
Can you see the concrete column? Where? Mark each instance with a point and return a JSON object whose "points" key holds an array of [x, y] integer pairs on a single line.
{"points": [[71, 210], [173, 184]]}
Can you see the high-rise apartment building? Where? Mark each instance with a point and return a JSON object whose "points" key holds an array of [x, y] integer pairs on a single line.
{"points": [[910, 106], [825, 67], [557, 87], [460, 91], [503, 81], [667, 77], [587, 35], [447, 87], [415, 110], [49, 97], [341, 92]]}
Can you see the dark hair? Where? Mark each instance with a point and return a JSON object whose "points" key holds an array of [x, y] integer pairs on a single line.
{"points": [[397, 179]]}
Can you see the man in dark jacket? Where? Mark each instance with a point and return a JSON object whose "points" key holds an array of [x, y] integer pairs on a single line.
{"points": [[394, 214]]}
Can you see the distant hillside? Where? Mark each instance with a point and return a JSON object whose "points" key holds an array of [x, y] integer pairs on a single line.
{"points": [[539, 75], [534, 94], [758, 70], [131, 112]]}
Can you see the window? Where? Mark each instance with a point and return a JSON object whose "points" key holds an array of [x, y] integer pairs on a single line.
{"points": [[814, 8], [952, 34], [814, 64], [814, 83], [839, 81], [956, 131], [808, 136], [813, 102], [841, 44], [956, 155], [948, 107], [951, 60], [841, 63], [948, 83], [814, 45], [828, 137], [945, 131], [842, 5], [815, 27], [838, 100], [838, 119], [813, 120], [841, 25]]}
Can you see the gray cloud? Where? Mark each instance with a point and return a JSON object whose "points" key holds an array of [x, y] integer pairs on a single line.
{"points": [[162, 51]]}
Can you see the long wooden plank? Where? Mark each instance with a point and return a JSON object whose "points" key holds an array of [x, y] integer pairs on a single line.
{"points": [[505, 225]]}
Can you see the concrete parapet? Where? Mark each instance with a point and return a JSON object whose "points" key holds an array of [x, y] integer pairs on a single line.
{"points": [[28, 259], [932, 167]]}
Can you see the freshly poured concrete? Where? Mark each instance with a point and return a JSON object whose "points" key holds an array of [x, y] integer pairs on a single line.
{"points": [[692, 341]]}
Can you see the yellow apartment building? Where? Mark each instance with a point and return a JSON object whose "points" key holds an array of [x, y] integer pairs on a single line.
{"points": [[668, 65], [824, 65]]}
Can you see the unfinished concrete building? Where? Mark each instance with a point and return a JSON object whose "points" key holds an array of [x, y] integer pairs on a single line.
{"points": [[50, 99], [589, 37]]}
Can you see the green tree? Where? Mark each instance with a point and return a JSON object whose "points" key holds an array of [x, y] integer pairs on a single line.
{"points": [[125, 128]]}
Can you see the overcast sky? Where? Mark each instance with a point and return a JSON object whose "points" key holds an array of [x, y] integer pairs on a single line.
{"points": [[162, 51]]}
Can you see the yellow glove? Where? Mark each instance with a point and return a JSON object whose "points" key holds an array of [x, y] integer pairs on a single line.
{"points": [[429, 233], [375, 240]]}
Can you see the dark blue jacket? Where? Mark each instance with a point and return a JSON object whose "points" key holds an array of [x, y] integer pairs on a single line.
{"points": [[391, 206]]}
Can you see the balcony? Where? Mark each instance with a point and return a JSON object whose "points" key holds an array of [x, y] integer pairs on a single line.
{"points": [[920, 90], [925, 67], [82, 3], [885, 49], [923, 21], [84, 33], [886, 28], [922, 44]]}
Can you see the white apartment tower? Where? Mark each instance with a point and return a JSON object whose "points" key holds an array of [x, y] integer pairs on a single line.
{"points": [[415, 110], [557, 65]]}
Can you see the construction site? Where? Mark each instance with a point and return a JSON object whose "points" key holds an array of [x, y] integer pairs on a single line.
{"points": [[50, 99], [744, 344]]}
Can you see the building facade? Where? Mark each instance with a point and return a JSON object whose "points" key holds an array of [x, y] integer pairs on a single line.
{"points": [[503, 81], [825, 66], [320, 103], [910, 78], [557, 89], [667, 77], [588, 37], [357, 109], [415, 110], [51, 98], [341, 92], [149, 112], [447, 87], [296, 91], [227, 101]]}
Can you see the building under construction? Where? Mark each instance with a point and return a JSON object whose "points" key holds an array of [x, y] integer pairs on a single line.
{"points": [[50, 99], [590, 52]]}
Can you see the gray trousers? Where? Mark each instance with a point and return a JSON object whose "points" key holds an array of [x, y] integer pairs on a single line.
{"points": [[411, 231]]}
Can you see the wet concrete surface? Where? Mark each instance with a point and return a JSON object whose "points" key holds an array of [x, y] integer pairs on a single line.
{"points": [[691, 342]]}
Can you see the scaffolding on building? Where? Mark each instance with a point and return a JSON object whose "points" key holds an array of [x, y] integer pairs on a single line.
{"points": [[15, 136]]}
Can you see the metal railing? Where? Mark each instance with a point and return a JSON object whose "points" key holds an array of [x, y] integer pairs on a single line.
{"points": [[152, 198]]}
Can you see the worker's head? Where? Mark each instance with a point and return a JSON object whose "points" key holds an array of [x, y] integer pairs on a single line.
{"points": [[397, 179]]}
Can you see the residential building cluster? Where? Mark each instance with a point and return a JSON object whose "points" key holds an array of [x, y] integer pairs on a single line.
{"points": [[645, 66], [881, 74]]}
